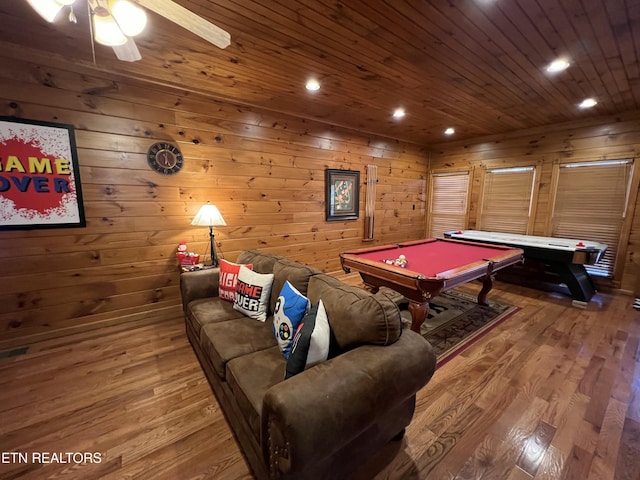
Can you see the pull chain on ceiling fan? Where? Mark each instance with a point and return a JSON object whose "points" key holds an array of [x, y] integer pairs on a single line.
{"points": [[114, 23]]}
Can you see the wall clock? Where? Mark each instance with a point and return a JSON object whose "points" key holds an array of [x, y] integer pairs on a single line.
{"points": [[165, 158]]}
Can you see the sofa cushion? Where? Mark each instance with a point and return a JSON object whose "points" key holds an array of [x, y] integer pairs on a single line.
{"points": [[253, 291], [224, 341], [290, 308], [311, 342], [262, 262], [295, 273], [249, 377], [228, 279], [210, 310], [356, 316]]}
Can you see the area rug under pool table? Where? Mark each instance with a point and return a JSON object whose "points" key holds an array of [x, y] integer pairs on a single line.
{"points": [[456, 321]]}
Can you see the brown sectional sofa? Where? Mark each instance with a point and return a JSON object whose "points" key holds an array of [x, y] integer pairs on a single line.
{"points": [[328, 420]]}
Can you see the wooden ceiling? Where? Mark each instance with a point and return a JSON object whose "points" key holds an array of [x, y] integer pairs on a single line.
{"points": [[474, 65]]}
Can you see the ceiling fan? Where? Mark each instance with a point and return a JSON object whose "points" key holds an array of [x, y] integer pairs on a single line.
{"points": [[115, 22]]}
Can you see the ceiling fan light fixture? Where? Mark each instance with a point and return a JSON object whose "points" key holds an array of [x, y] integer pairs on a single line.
{"points": [[130, 17], [48, 9], [105, 29]]}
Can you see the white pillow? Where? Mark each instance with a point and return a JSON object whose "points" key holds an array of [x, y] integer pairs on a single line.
{"points": [[311, 342], [253, 292]]}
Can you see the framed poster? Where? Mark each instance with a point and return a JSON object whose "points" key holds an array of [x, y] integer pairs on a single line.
{"points": [[342, 194], [39, 176]]}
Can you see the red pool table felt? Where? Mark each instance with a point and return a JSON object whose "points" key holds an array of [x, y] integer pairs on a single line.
{"points": [[433, 256]]}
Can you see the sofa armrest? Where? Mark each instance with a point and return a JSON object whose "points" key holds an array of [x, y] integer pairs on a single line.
{"points": [[315, 413], [199, 284]]}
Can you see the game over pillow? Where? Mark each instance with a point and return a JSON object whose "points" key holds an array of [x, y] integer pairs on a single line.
{"points": [[253, 292], [291, 307], [228, 279]]}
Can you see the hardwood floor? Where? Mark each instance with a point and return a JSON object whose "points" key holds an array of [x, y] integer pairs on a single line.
{"points": [[552, 393]]}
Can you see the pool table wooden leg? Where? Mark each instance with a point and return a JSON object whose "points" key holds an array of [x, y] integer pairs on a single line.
{"points": [[419, 312], [487, 285]]}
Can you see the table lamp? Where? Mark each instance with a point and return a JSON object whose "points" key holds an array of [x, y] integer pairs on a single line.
{"points": [[209, 216]]}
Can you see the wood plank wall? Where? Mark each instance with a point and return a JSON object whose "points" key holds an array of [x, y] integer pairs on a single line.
{"points": [[592, 139], [264, 170]]}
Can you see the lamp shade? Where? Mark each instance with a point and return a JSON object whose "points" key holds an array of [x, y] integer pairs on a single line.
{"points": [[130, 17], [105, 29], [208, 216]]}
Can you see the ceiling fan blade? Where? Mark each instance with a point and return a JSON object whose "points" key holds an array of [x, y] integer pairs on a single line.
{"points": [[128, 52], [188, 20]]}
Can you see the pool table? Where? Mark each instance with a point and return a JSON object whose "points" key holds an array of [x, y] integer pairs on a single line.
{"points": [[564, 257], [433, 266]]}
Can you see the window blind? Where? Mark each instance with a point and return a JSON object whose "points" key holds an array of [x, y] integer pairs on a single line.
{"points": [[590, 204], [507, 196], [448, 202]]}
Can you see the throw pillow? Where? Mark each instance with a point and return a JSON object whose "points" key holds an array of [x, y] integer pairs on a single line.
{"points": [[311, 341], [228, 278], [291, 306], [253, 291]]}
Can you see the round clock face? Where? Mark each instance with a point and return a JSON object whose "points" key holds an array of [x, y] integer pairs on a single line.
{"points": [[165, 158]]}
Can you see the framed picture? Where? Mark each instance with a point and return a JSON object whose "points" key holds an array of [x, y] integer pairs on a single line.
{"points": [[39, 176], [342, 194]]}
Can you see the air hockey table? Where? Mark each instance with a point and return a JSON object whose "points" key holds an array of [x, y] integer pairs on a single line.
{"points": [[565, 257]]}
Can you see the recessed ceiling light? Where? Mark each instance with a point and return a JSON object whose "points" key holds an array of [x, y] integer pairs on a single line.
{"points": [[449, 131], [399, 113], [312, 85], [588, 103], [558, 65]]}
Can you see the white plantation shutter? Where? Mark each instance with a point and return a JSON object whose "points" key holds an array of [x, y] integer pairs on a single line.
{"points": [[590, 204], [448, 202], [507, 197]]}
